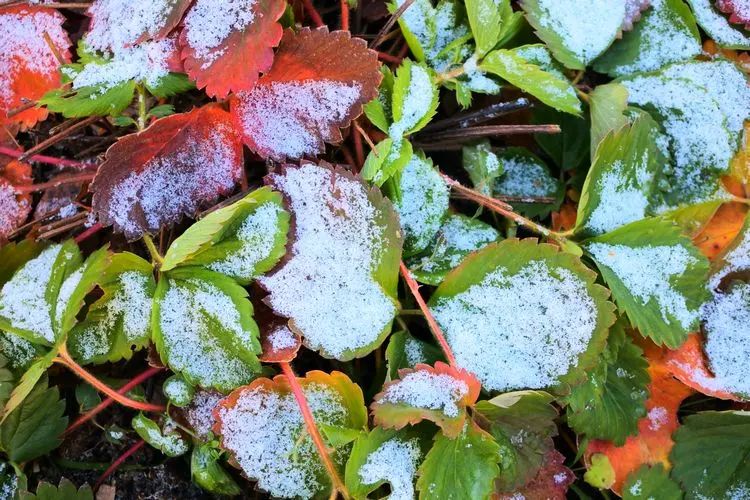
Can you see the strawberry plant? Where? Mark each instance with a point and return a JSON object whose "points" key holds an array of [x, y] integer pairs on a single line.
{"points": [[458, 250]]}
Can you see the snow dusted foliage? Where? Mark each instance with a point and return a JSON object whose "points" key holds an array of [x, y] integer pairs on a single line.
{"points": [[338, 283], [505, 308], [718, 27]]}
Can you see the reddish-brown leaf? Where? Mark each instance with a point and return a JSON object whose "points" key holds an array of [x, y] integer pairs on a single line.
{"points": [[226, 47], [28, 64], [550, 483], [174, 167], [318, 84], [739, 11], [14, 208], [278, 342]]}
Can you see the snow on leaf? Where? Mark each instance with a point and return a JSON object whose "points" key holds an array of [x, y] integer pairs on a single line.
{"points": [[317, 85], [526, 176], [739, 11], [502, 310], [28, 65], [648, 482], [14, 207], [576, 31], [227, 43], [120, 320], [200, 413], [482, 165], [243, 240], [689, 365], [551, 482], [178, 391], [656, 276], [633, 9], [718, 26], [278, 341], [203, 328], [438, 394], [168, 440], [415, 99], [262, 428], [181, 162], [76, 285], [343, 261]]}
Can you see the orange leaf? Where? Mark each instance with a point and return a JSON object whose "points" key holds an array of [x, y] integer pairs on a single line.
{"points": [[318, 84], [226, 45], [28, 65], [565, 219], [550, 483], [14, 208], [721, 229], [174, 167], [739, 11]]}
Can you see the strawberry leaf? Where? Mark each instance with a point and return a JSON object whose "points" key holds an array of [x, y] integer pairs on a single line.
{"points": [[482, 165], [387, 159], [438, 394], [344, 261], [415, 99], [526, 176], [477, 308], [208, 473], [226, 45], [317, 85], [718, 27], [66, 490], [203, 328], [14, 207], [486, 20], [407, 351], [168, 440], [74, 289], [27, 383], [737, 10], [649, 481], [181, 162], [263, 429], [656, 276], [607, 104], [551, 482]]}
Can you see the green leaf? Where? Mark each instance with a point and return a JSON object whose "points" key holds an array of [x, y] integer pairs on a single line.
{"points": [[417, 24], [570, 148], [461, 468], [207, 472], [387, 159], [6, 381], [651, 482], [19, 351], [171, 84], [523, 425], [87, 397], [415, 99], [458, 237], [378, 111], [75, 288], [119, 321], [717, 26], [124, 121], [203, 328], [549, 88], [406, 351], [27, 383], [35, 427], [600, 473], [665, 34], [656, 276], [709, 458], [619, 184], [242, 241], [169, 440], [14, 255], [90, 101], [485, 18], [612, 399], [161, 110], [575, 31], [527, 177], [478, 304], [607, 104], [482, 165], [178, 390], [65, 491]]}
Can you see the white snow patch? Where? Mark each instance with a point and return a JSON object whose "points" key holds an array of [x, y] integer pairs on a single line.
{"points": [[417, 102], [657, 418], [525, 176], [66, 291], [717, 25], [395, 462], [200, 412], [427, 390], [121, 23], [210, 22], [282, 338]]}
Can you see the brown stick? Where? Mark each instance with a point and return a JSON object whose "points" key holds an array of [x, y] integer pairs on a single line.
{"points": [[389, 24], [58, 181], [491, 130], [58, 137]]}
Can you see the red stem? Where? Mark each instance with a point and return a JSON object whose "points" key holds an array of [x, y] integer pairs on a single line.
{"points": [[387, 57], [46, 159], [313, 429], [118, 462], [58, 181], [313, 13], [89, 232], [344, 15], [436, 331], [109, 401]]}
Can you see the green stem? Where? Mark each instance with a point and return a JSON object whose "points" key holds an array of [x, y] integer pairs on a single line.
{"points": [[156, 257], [410, 312], [142, 111]]}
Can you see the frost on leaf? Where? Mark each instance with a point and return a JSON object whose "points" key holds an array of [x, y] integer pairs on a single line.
{"points": [[438, 394], [262, 427], [415, 100], [200, 413], [656, 276], [227, 43], [482, 165], [168, 439], [718, 27], [14, 207], [178, 164], [203, 328], [242, 241], [502, 311], [338, 282], [28, 65], [526, 177], [120, 320], [317, 85]]}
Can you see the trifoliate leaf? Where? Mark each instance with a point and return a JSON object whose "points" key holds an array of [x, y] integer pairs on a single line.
{"points": [[387, 159], [619, 184], [477, 306], [549, 88], [458, 237], [665, 34], [523, 424], [656, 276], [178, 390], [710, 454], [527, 177], [420, 196], [262, 427], [463, 468], [120, 321], [35, 427], [406, 351], [718, 26], [607, 104], [344, 261], [610, 402], [415, 99], [438, 394], [576, 32], [242, 241], [203, 328], [486, 20], [169, 440], [208, 473], [384, 456], [551, 482], [66, 490], [650, 482], [482, 165]]}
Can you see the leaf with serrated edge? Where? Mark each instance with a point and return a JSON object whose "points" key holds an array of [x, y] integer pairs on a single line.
{"points": [[718, 27], [242, 241], [650, 482], [262, 428], [28, 381], [485, 19], [527, 176], [477, 308], [415, 99], [66, 490], [438, 394], [343, 261], [74, 289]]}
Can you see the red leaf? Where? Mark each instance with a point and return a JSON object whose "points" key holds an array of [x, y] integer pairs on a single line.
{"points": [[174, 167], [28, 65], [317, 85], [551, 482], [14, 208], [739, 10], [278, 342], [227, 45], [633, 9]]}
